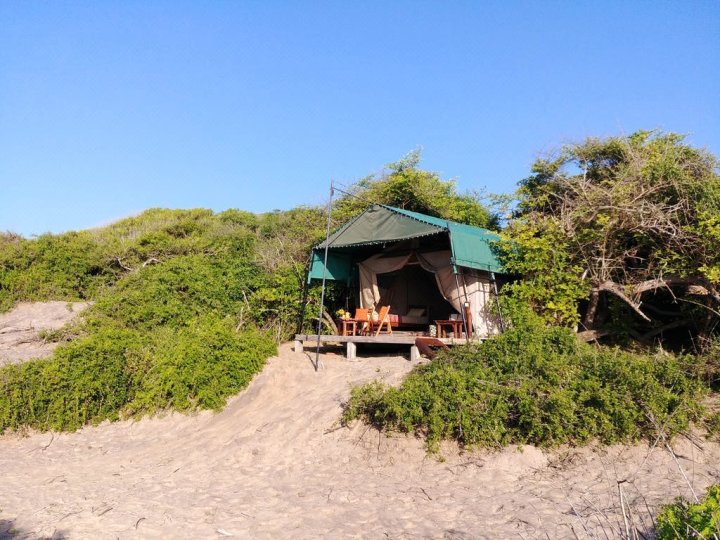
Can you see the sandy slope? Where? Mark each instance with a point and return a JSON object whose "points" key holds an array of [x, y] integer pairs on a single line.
{"points": [[275, 464], [19, 339]]}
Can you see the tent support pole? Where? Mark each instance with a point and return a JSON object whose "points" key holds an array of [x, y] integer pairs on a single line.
{"points": [[303, 299], [497, 299], [462, 311], [467, 304], [316, 365]]}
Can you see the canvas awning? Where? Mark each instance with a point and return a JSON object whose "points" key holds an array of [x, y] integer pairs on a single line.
{"points": [[380, 224]]}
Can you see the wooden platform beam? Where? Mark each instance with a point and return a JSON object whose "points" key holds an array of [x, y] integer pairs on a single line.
{"points": [[383, 339]]}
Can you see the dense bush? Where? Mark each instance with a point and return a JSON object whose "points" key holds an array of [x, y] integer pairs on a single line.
{"points": [[539, 385], [198, 367], [174, 323], [684, 520], [119, 372], [68, 267], [85, 381], [80, 265]]}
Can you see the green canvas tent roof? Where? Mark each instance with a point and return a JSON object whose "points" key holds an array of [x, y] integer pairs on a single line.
{"points": [[382, 224]]}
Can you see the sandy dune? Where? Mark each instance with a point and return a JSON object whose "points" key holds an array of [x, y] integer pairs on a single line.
{"points": [[276, 464], [19, 328]]}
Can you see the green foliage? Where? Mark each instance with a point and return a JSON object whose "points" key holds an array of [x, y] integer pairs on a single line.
{"points": [[615, 221], [285, 240], [85, 381], [113, 373], [712, 424], [198, 367], [406, 186], [684, 520], [68, 267], [538, 385], [175, 291], [80, 265], [551, 281], [175, 320], [708, 364]]}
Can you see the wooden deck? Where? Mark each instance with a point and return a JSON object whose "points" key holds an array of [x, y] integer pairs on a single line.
{"points": [[396, 338]]}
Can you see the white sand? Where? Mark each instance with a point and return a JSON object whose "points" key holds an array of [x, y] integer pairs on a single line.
{"points": [[276, 464], [20, 327]]}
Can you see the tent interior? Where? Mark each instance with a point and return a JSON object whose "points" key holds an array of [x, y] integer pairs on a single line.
{"points": [[413, 293]]}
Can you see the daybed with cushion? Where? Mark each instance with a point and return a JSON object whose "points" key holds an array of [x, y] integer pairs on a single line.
{"points": [[415, 316]]}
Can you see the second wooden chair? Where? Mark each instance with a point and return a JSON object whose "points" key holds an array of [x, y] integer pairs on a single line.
{"points": [[383, 321]]}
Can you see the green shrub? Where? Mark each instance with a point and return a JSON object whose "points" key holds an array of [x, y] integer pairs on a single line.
{"points": [[62, 267], [171, 288], [85, 381], [712, 424], [112, 373], [684, 520], [81, 265], [176, 291], [537, 385], [198, 367]]}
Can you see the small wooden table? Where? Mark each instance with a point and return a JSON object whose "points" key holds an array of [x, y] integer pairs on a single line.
{"points": [[349, 327], [444, 326]]}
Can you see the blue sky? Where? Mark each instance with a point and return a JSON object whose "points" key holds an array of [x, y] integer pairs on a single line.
{"points": [[109, 108]]}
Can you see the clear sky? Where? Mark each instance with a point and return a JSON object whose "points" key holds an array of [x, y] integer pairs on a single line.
{"points": [[109, 108]]}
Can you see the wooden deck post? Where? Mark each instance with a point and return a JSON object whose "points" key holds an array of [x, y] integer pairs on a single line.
{"points": [[298, 347], [414, 353], [351, 350]]}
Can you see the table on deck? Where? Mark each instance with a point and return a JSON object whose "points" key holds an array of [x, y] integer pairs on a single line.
{"points": [[353, 327], [349, 327], [455, 326]]}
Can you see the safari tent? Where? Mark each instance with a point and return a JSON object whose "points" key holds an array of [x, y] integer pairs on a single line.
{"points": [[424, 267]]}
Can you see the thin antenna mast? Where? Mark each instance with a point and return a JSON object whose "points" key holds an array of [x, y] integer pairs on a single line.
{"points": [[316, 365]]}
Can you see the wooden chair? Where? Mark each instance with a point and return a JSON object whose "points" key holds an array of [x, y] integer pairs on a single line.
{"points": [[383, 320], [362, 316]]}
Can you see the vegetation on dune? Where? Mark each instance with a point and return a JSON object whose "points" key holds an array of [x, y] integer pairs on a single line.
{"points": [[117, 372], [688, 521], [404, 185], [618, 238], [537, 384], [180, 318], [621, 236]]}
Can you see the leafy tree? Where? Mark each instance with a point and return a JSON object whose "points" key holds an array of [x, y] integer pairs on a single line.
{"points": [[630, 224], [404, 185]]}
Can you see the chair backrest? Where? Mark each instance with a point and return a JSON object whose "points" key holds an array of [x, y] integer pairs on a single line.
{"points": [[383, 313], [383, 319], [362, 314]]}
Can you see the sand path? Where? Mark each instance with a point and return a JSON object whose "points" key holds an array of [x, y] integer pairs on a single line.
{"points": [[276, 464], [20, 328]]}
